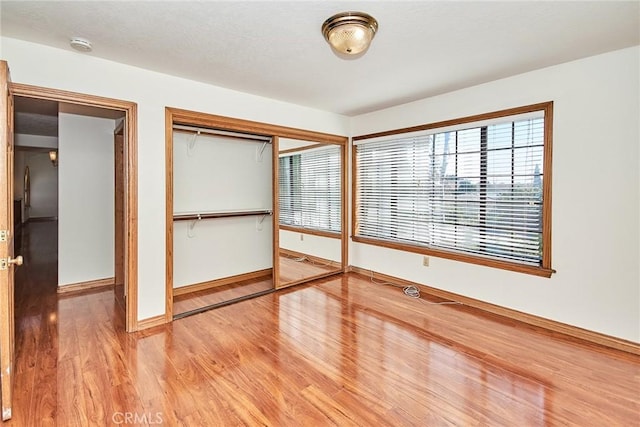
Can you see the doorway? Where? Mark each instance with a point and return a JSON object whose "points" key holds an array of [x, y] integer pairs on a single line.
{"points": [[121, 113]]}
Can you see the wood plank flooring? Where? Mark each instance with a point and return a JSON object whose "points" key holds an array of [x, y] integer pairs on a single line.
{"points": [[291, 270], [196, 300], [294, 269], [343, 351]]}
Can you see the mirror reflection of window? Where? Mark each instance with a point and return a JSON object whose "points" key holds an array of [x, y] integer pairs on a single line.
{"points": [[309, 184], [310, 210]]}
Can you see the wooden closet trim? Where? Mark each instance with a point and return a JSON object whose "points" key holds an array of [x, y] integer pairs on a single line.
{"points": [[275, 223], [130, 110], [194, 118], [168, 152], [345, 209]]}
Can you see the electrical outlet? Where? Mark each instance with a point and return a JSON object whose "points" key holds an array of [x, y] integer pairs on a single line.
{"points": [[301, 236], [425, 261]]}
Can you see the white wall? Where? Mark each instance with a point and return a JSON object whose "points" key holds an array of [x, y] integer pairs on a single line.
{"points": [[310, 244], [43, 176], [18, 178], [213, 174], [596, 195], [24, 140], [290, 144], [218, 248], [86, 198], [43, 179], [68, 70]]}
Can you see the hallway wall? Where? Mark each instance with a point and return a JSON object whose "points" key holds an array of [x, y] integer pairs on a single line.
{"points": [[44, 185], [86, 199]]}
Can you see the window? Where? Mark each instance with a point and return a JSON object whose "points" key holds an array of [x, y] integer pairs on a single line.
{"points": [[310, 189], [472, 190]]}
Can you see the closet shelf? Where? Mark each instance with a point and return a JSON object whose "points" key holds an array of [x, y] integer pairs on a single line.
{"points": [[220, 132], [221, 214]]}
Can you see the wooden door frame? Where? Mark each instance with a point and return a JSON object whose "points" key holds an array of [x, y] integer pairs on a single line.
{"points": [[131, 178], [119, 203], [7, 320]]}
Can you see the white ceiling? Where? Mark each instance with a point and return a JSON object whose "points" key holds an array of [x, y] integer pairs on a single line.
{"points": [[40, 117], [275, 48], [35, 116]]}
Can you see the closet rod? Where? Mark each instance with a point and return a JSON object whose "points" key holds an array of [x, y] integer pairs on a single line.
{"points": [[208, 215], [248, 136]]}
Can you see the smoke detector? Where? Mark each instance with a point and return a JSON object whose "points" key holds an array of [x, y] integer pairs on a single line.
{"points": [[80, 44]]}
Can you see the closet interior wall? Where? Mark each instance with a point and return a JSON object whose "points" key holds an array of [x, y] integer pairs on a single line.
{"points": [[222, 206]]}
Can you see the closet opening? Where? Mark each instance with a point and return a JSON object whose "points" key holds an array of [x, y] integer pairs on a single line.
{"points": [[222, 207], [223, 211]]}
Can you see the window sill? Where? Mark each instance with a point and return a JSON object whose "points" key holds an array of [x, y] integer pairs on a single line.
{"points": [[488, 262]]}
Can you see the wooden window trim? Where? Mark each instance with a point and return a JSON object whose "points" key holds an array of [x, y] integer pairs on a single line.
{"points": [[310, 231], [544, 270]]}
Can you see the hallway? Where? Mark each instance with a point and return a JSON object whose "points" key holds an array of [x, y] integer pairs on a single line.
{"points": [[56, 335]]}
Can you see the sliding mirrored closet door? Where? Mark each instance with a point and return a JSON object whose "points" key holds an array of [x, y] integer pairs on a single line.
{"points": [[251, 207], [311, 210], [222, 224]]}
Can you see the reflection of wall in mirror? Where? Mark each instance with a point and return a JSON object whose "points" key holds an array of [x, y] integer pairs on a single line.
{"points": [[318, 246], [285, 144]]}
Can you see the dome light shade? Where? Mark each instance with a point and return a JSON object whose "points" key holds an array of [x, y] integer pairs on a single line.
{"points": [[350, 33]]}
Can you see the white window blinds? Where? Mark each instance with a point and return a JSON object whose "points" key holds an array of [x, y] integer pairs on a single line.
{"points": [[476, 190], [309, 184]]}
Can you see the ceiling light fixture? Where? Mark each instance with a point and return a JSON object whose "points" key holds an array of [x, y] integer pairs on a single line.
{"points": [[350, 33], [80, 44]]}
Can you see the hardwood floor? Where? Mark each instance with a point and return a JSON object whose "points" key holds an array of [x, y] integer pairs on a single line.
{"points": [[342, 351], [293, 269], [196, 300]]}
